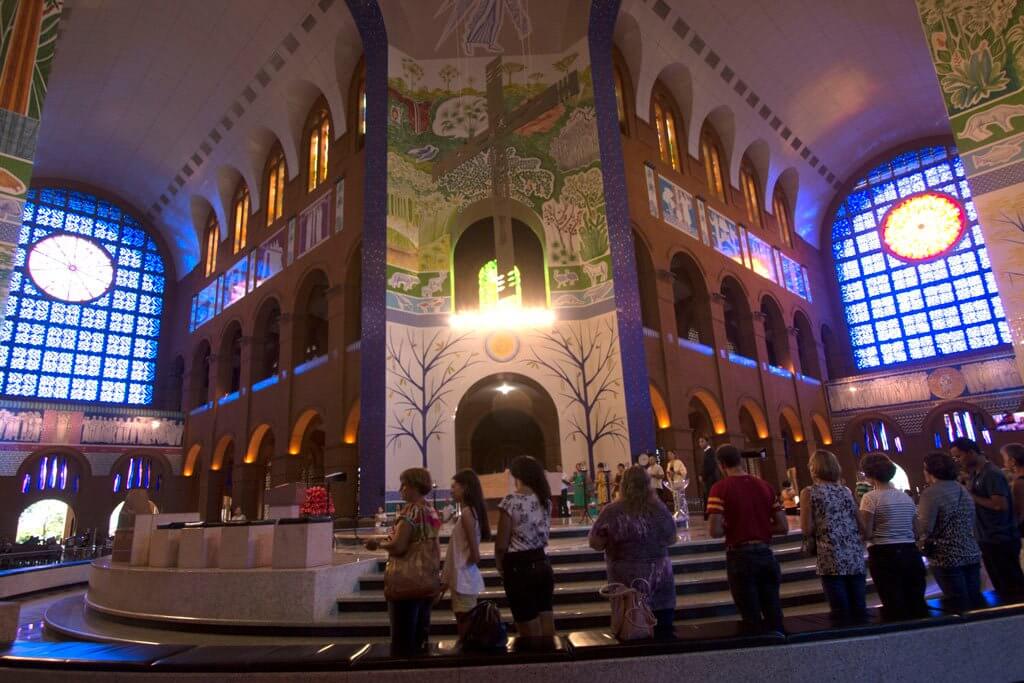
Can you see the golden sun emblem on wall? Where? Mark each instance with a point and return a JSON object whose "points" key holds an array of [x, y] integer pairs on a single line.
{"points": [[502, 346], [923, 226]]}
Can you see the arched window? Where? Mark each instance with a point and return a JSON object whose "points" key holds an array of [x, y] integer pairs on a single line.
{"points": [[665, 123], [200, 375], [620, 95], [711, 155], [828, 349], [138, 472], [780, 205], [83, 316], [266, 348], [805, 347], [275, 186], [311, 328], [230, 361], [319, 143], [358, 111], [875, 436], [647, 287], [51, 472], [961, 422], [690, 300], [912, 294], [739, 324], [240, 218], [212, 240], [751, 195], [775, 335]]}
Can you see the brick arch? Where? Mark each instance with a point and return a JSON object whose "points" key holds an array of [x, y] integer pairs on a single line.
{"points": [[191, 458], [256, 439], [660, 408], [218, 453], [957, 404], [299, 429], [351, 434], [792, 420], [757, 415], [710, 403], [824, 429]]}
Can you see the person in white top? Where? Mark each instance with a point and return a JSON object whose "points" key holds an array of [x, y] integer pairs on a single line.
{"points": [[461, 573], [677, 482], [655, 471]]}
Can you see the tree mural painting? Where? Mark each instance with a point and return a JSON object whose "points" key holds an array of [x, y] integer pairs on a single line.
{"points": [[584, 358], [448, 73], [425, 365]]}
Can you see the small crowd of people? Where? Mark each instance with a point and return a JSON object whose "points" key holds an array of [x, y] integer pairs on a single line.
{"points": [[970, 514], [583, 498]]}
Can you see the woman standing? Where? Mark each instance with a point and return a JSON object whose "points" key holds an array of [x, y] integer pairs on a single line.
{"points": [[579, 492], [829, 515], [635, 533], [416, 524], [887, 516], [520, 548], [602, 485], [461, 571], [945, 524]]}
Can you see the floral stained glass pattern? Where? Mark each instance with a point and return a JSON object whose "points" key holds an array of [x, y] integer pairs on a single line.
{"points": [[912, 293], [88, 342]]}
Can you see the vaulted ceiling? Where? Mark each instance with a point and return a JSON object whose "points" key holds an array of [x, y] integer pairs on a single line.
{"points": [[167, 104]]}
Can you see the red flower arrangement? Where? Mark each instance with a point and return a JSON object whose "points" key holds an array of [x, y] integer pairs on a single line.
{"points": [[317, 503]]}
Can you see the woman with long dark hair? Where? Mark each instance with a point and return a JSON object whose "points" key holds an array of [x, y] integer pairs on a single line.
{"points": [[635, 533], [461, 571], [520, 548]]}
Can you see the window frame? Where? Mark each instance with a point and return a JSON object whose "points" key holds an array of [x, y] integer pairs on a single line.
{"points": [[317, 148], [664, 112], [275, 178], [241, 207], [783, 216], [711, 159], [750, 185], [211, 235]]}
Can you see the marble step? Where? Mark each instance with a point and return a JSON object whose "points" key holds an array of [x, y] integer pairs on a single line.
{"points": [[582, 553], [583, 591], [595, 614], [594, 568]]}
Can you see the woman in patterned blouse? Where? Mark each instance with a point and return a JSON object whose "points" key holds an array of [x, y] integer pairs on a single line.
{"points": [[829, 514]]}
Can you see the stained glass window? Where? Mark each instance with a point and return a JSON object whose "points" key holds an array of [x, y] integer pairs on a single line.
{"points": [[899, 309], [103, 349]]}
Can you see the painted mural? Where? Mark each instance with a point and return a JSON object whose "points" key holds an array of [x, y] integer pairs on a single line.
{"points": [[484, 133], [977, 47]]}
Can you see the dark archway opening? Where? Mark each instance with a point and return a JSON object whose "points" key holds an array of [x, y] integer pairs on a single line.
{"points": [[690, 301], [503, 435], [739, 326], [475, 247], [503, 416], [200, 375], [266, 348], [311, 327], [230, 366], [646, 284], [775, 336]]}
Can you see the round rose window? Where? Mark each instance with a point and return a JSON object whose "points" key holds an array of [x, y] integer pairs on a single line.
{"points": [[923, 226], [70, 268]]}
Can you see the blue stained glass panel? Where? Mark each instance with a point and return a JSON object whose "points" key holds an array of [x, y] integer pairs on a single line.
{"points": [[901, 311], [100, 350]]}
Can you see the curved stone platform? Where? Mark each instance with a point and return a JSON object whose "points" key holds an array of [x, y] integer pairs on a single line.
{"points": [[950, 644], [265, 597]]}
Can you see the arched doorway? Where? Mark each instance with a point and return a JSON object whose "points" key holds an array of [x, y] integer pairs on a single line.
{"points": [[690, 300], [502, 416], [305, 461], [266, 341], [475, 249], [776, 338], [739, 329], [310, 327], [46, 518]]}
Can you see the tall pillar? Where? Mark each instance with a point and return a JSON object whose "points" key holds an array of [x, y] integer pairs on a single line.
{"points": [[25, 69], [978, 51]]}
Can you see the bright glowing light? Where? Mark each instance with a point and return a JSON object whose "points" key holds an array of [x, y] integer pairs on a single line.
{"points": [[923, 226], [155, 424], [504, 388], [70, 268], [505, 315]]}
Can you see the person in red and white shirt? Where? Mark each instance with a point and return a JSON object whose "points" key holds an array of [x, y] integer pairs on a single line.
{"points": [[746, 512]]}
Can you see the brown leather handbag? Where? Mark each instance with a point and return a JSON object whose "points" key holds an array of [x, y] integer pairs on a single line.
{"points": [[416, 574]]}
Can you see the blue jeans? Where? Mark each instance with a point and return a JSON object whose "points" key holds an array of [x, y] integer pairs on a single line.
{"points": [[410, 625], [960, 585], [845, 595], [754, 579]]}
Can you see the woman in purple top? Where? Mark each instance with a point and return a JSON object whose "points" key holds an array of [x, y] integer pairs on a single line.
{"points": [[635, 533]]}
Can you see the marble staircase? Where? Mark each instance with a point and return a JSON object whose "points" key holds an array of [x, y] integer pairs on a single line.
{"points": [[702, 593]]}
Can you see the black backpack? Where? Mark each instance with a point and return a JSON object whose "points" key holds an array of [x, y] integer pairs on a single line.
{"points": [[485, 630]]}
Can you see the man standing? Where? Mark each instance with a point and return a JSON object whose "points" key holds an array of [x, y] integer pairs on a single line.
{"points": [[675, 470], [744, 510], [994, 522], [709, 470]]}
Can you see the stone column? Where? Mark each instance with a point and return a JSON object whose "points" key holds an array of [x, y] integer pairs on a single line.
{"points": [[978, 54]]}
